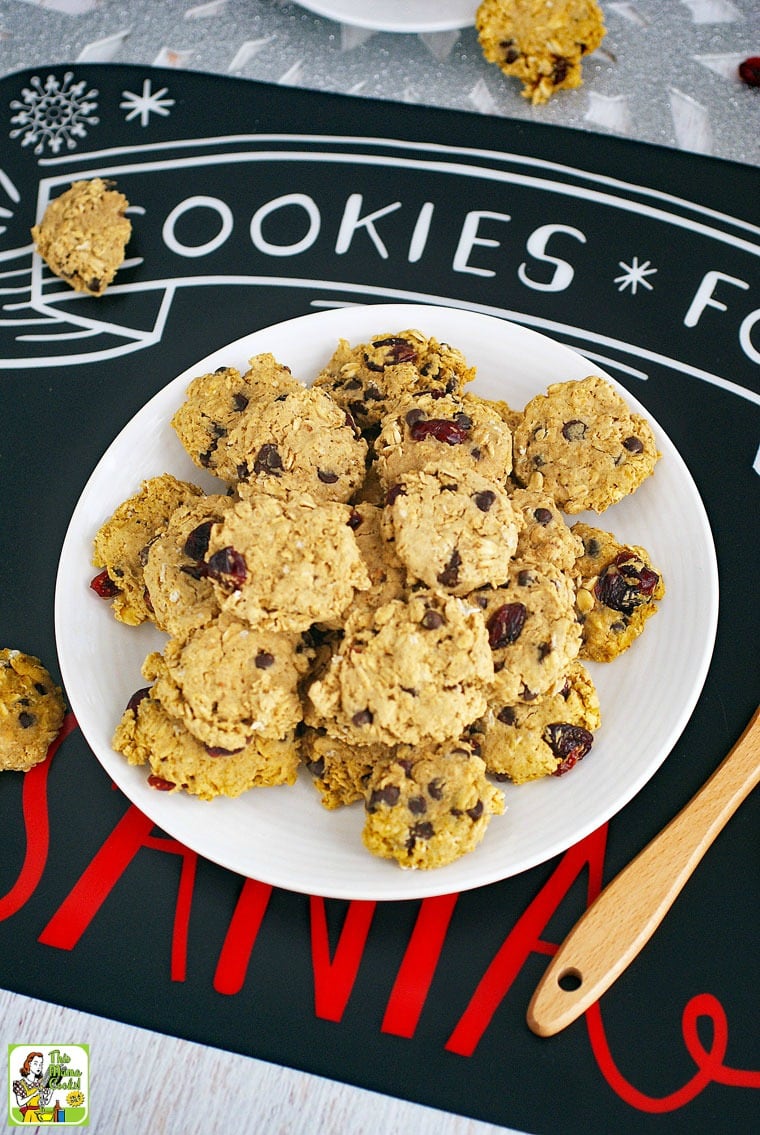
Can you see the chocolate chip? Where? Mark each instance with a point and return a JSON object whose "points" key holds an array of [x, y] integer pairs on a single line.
{"points": [[435, 789], [542, 516], [264, 660], [449, 577], [268, 460], [417, 805], [327, 478], [484, 499], [633, 445], [239, 402], [431, 620], [26, 719], [574, 430], [476, 811], [362, 717], [388, 794]]}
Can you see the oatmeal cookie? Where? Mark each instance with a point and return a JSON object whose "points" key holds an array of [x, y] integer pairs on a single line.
{"points": [[178, 761], [546, 737], [285, 563], [31, 710], [540, 42], [413, 670], [229, 682], [368, 378], [214, 403], [580, 443], [545, 537], [340, 771], [428, 807], [180, 593], [453, 529], [532, 631], [83, 234], [618, 591], [428, 430], [301, 440], [121, 544]]}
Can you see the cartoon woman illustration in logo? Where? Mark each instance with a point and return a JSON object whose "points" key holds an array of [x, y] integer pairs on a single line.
{"points": [[32, 1091]]}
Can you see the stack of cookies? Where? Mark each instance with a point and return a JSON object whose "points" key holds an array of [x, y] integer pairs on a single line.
{"points": [[386, 589]]}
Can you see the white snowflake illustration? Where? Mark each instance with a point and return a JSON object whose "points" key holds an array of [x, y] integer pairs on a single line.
{"points": [[53, 113], [149, 102], [634, 274]]}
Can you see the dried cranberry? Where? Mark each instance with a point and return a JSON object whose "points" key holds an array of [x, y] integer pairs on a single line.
{"points": [[568, 742], [218, 751], [354, 519], [625, 584], [104, 586], [442, 429], [159, 783], [505, 625], [137, 697], [401, 350], [394, 491], [228, 567], [196, 544], [749, 71]]}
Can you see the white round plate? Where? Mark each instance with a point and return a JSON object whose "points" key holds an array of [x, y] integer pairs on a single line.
{"points": [[283, 835], [397, 15]]}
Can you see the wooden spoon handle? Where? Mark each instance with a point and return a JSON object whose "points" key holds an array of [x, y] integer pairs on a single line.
{"points": [[620, 922]]}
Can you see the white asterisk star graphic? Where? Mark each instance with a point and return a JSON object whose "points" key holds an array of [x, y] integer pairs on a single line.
{"points": [[149, 102], [634, 274]]}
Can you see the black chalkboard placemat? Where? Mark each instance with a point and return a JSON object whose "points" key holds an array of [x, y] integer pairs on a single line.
{"points": [[259, 203]]}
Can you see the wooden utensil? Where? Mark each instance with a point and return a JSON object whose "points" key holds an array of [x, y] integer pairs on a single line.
{"points": [[620, 922]]}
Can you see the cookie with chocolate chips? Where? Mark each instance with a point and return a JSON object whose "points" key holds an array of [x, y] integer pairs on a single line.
{"points": [[228, 682], [429, 807], [83, 234], [31, 710], [122, 543], [428, 430], [453, 529], [180, 762], [580, 443], [540, 42], [340, 771], [368, 378], [214, 403], [413, 670], [547, 737], [532, 629], [618, 591]]}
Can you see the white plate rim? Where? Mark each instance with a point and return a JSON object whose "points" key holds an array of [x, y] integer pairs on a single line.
{"points": [[409, 16], [357, 322]]}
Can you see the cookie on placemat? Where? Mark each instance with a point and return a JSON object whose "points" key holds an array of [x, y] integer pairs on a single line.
{"points": [[148, 735], [532, 630], [83, 234], [540, 42], [581, 443], [31, 710], [618, 591], [429, 807], [412, 670], [453, 529], [121, 544], [529, 740]]}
